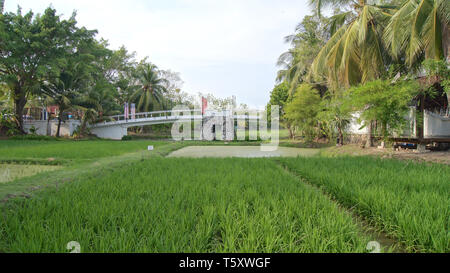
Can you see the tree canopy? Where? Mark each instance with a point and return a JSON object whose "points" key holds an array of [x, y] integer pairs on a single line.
{"points": [[51, 60], [365, 55]]}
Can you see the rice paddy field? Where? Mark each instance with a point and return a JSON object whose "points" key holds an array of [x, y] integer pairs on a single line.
{"points": [[70, 149], [409, 201], [183, 205], [124, 198], [11, 172]]}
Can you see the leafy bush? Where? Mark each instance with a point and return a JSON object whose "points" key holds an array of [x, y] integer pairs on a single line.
{"points": [[33, 130], [127, 138], [383, 101], [335, 117], [34, 137], [302, 111], [8, 124], [438, 71]]}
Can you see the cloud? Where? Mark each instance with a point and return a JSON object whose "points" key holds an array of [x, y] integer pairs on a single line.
{"points": [[212, 43]]}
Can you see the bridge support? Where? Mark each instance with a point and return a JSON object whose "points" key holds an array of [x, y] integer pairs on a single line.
{"points": [[112, 132]]}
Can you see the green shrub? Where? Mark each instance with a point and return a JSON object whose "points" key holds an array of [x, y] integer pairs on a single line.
{"points": [[34, 137], [127, 138]]}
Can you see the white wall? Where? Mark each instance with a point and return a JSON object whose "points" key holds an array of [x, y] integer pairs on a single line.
{"points": [[409, 131], [43, 126], [113, 132], [436, 126], [40, 125], [355, 125]]}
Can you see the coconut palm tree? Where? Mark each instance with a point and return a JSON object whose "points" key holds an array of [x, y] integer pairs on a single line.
{"points": [[306, 43], [150, 88], [64, 89], [420, 28], [355, 53]]}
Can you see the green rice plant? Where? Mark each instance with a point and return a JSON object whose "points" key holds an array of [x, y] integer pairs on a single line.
{"points": [[410, 201], [89, 149], [182, 205]]}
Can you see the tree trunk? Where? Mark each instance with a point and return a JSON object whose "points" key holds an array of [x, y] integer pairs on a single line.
{"points": [[49, 129], [419, 118], [59, 124], [291, 133], [369, 142], [20, 101], [384, 130], [341, 136], [446, 52], [59, 127], [446, 42]]}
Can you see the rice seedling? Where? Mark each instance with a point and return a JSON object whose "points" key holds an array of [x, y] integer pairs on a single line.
{"points": [[71, 149], [410, 201], [182, 205]]}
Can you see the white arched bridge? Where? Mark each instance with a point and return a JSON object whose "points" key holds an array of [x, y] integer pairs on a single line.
{"points": [[115, 127]]}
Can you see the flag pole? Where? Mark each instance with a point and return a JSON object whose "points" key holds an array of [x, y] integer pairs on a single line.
{"points": [[201, 135]]}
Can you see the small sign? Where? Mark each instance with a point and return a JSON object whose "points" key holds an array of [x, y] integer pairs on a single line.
{"points": [[150, 148]]}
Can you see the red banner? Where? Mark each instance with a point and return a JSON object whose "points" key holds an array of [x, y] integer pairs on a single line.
{"points": [[204, 105]]}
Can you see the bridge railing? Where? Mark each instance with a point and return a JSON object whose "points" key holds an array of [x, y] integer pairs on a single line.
{"points": [[154, 114], [174, 114], [168, 114]]}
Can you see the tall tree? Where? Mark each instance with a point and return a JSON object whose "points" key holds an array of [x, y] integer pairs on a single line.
{"points": [[280, 96], [306, 43], [420, 28], [150, 87], [334, 117], [118, 69], [302, 111], [72, 76], [24, 62], [173, 84], [65, 88], [355, 53]]}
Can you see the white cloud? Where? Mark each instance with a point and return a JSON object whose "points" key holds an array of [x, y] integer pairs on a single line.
{"points": [[212, 43]]}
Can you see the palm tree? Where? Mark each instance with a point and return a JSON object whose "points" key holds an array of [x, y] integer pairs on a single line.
{"points": [[419, 27], [150, 87], [420, 30], [306, 43], [64, 89], [355, 53]]}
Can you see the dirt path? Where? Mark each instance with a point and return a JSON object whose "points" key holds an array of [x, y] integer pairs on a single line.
{"points": [[428, 156], [241, 151]]}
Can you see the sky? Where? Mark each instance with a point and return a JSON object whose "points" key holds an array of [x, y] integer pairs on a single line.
{"points": [[226, 47]]}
